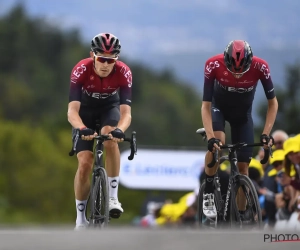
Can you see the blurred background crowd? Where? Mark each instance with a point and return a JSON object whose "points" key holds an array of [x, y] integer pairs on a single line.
{"points": [[277, 184], [41, 41]]}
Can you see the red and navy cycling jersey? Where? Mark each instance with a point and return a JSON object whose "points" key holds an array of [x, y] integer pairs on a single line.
{"points": [[91, 90], [223, 89]]}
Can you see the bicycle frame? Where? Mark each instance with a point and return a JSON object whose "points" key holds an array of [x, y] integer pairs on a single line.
{"points": [[98, 164], [234, 173], [98, 155]]}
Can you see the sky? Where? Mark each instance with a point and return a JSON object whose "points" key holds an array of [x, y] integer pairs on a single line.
{"points": [[175, 26]]}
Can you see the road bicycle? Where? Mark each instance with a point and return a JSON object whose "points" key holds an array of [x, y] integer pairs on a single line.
{"points": [[240, 187], [98, 198]]}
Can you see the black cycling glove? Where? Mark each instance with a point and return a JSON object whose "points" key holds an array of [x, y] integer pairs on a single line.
{"points": [[118, 133], [265, 139], [86, 132], [211, 142]]}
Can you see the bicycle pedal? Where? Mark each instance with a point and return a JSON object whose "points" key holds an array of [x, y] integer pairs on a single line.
{"points": [[115, 214]]}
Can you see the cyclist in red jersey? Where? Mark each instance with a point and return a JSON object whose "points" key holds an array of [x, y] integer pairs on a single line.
{"points": [[229, 86], [100, 92]]}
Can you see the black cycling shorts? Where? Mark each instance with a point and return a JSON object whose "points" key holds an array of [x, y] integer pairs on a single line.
{"points": [[104, 116], [241, 131]]}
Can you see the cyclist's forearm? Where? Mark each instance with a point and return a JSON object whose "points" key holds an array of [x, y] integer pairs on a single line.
{"points": [[271, 115], [207, 120], [124, 122], [74, 119], [125, 117]]}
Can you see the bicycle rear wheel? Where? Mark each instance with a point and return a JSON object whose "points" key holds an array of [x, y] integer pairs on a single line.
{"points": [[99, 201], [203, 221], [251, 217]]}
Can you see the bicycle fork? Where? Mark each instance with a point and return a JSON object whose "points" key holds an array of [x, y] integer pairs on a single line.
{"points": [[227, 199]]}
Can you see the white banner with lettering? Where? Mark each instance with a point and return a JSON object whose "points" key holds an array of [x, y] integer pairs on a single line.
{"points": [[162, 169]]}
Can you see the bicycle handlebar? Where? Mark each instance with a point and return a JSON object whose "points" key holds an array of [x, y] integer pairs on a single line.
{"points": [[267, 151], [133, 146], [102, 138]]}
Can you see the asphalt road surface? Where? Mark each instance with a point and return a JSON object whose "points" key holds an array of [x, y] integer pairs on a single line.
{"points": [[129, 238]]}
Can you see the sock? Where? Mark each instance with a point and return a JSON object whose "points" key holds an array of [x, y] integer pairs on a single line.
{"points": [[209, 184], [80, 208], [113, 183]]}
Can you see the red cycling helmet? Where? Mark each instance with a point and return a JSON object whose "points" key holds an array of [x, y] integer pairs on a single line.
{"points": [[106, 43], [238, 57]]}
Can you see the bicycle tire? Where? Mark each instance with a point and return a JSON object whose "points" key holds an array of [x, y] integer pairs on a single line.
{"points": [[202, 221], [253, 209], [99, 202]]}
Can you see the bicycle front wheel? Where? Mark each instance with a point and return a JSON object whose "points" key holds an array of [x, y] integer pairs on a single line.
{"points": [[245, 207], [99, 201]]}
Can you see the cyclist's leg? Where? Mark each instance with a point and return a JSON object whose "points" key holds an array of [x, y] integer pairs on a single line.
{"points": [[110, 120], [243, 132], [84, 154], [209, 210]]}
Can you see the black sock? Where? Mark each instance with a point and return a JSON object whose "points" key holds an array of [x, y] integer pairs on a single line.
{"points": [[209, 183]]}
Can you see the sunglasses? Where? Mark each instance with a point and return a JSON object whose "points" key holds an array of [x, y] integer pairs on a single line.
{"points": [[104, 59]]}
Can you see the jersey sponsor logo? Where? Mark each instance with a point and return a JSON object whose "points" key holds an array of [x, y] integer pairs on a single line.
{"points": [[90, 86], [77, 73], [127, 73], [79, 70], [210, 67], [109, 88], [223, 80], [237, 90], [245, 82], [263, 68], [240, 90], [98, 95], [74, 79]]}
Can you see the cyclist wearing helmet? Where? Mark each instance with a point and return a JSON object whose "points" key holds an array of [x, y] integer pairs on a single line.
{"points": [[100, 92], [228, 93]]}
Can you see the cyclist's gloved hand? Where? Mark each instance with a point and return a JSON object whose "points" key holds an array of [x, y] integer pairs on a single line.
{"points": [[211, 142], [118, 133], [267, 139], [86, 131]]}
